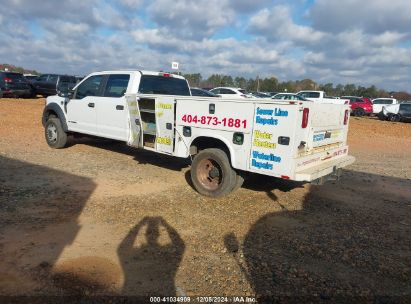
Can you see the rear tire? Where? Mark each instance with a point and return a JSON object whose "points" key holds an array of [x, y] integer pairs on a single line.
{"points": [[239, 181], [55, 136], [395, 118], [212, 174], [359, 112]]}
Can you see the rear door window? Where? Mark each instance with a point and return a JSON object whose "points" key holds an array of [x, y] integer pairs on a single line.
{"points": [[42, 78], [227, 91], [116, 85], [90, 87], [151, 84], [53, 78], [383, 101], [406, 108]]}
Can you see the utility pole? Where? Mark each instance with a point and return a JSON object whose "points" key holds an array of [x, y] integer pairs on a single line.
{"points": [[258, 83]]}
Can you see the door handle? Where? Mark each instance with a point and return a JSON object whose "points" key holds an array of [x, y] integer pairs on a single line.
{"points": [[119, 107], [91, 104]]}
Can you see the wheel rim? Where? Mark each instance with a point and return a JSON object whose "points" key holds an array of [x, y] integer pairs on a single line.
{"points": [[51, 133], [209, 174]]}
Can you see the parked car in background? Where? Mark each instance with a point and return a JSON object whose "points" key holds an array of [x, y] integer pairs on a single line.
{"points": [[321, 97], [202, 92], [228, 92], [379, 103], [49, 84], [14, 85], [360, 106], [396, 112], [259, 94], [30, 77], [270, 93], [289, 96], [79, 78]]}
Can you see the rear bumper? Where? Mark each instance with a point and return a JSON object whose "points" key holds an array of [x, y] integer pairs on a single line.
{"points": [[325, 169], [18, 92]]}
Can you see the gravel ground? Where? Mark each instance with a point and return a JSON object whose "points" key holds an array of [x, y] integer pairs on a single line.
{"points": [[100, 218]]}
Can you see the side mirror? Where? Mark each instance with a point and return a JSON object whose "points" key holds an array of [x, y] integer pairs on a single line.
{"points": [[67, 94], [64, 89]]}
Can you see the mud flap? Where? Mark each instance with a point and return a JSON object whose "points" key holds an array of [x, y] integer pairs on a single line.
{"points": [[334, 176]]}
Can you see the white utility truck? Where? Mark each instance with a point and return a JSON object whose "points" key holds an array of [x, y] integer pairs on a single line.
{"points": [[226, 138], [378, 104], [321, 97]]}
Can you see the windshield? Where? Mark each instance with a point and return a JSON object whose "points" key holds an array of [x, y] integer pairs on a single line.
{"points": [[382, 101], [309, 94], [243, 91], [151, 84], [289, 97]]}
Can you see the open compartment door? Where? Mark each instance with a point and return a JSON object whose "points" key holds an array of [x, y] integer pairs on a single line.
{"points": [[165, 119], [134, 121]]}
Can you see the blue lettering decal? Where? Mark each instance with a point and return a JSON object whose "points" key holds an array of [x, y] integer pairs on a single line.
{"points": [[267, 157], [318, 137], [279, 112], [264, 112], [259, 165], [266, 121]]}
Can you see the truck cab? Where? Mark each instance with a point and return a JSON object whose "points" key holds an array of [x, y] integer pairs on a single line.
{"points": [[320, 97], [379, 103], [97, 105]]}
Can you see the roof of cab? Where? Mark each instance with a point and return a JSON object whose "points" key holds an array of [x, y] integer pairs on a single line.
{"points": [[142, 72]]}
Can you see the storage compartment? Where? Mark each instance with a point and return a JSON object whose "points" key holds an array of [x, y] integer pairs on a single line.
{"points": [[149, 140], [148, 121], [147, 104]]}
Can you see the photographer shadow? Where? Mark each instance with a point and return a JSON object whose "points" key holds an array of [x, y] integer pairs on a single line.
{"points": [[150, 268]]}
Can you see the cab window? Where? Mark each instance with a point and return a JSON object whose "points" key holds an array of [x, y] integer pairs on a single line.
{"points": [[53, 78], [90, 87], [42, 78], [116, 85]]}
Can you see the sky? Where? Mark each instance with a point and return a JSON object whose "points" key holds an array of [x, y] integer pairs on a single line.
{"points": [[338, 41]]}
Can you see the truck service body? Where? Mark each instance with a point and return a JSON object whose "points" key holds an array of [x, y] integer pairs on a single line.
{"points": [[296, 140]]}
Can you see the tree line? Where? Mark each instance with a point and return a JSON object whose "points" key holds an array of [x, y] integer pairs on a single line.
{"points": [[271, 84]]}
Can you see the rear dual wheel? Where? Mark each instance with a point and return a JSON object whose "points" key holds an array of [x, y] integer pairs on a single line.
{"points": [[212, 174]]}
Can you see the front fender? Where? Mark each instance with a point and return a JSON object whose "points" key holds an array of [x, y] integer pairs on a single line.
{"points": [[52, 108]]}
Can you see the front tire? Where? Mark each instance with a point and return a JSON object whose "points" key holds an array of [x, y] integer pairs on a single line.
{"points": [[55, 136], [212, 174]]}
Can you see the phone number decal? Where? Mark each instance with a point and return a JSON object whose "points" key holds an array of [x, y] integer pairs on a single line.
{"points": [[215, 121]]}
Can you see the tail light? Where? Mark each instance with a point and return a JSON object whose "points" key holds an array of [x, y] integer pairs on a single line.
{"points": [[304, 122], [7, 79], [346, 117], [165, 74]]}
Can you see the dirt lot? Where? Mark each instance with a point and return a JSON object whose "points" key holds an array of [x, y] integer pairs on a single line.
{"points": [[100, 218]]}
